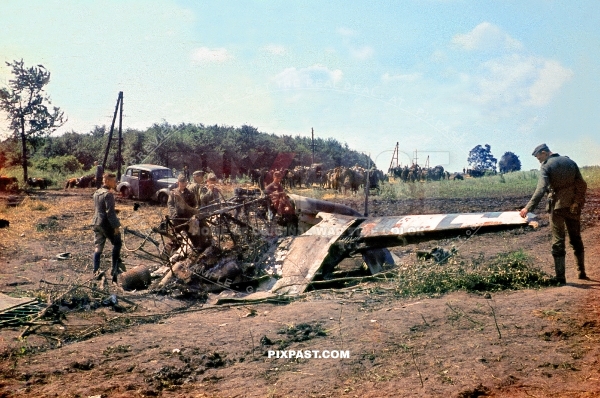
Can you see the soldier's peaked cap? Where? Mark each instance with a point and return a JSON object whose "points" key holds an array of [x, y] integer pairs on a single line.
{"points": [[181, 178], [540, 148], [198, 173]]}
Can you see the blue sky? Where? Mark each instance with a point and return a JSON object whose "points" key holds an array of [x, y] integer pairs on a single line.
{"points": [[436, 76]]}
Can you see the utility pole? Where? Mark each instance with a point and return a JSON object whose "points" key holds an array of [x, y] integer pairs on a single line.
{"points": [[120, 152], [394, 157], [312, 133], [416, 160], [112, 128]]}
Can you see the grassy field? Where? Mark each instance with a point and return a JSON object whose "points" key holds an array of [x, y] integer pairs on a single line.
{"points": [[510, 184]]}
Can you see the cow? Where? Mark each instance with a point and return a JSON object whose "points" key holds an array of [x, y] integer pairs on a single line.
{"points": [[42, 183], [87, 181], [71, 182], [8, 183]]}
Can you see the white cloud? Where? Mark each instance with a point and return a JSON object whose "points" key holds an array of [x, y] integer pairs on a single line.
{"points": [[518, 80], [204, 55], [275, 49], [407, 77], [346, 32], [486, 36], [438, 56], [362, 53], [550, 79], [313, 76]]}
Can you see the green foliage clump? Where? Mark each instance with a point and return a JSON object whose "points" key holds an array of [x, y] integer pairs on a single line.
{"points": [[388, 191], [61, 164], [509, 271]]}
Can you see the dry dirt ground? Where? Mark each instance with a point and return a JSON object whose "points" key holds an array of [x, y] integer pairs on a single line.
{"points": [[527, 343]]}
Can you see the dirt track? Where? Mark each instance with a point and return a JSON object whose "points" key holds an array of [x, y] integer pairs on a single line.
{"points": [[542, 343]]}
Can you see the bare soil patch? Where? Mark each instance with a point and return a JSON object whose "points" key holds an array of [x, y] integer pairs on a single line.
{"points": [[540, 343]]}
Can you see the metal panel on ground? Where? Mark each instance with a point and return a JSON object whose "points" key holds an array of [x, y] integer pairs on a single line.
{"points": [[415, 224], [307, 253]]}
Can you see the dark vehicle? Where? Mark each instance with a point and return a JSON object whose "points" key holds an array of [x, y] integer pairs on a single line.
{"points": [[147, 181]]}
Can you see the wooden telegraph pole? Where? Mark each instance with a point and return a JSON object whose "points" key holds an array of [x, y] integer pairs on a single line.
{"points": [[120, 151], [118, 108], [112, 128], [394, 157], [312, 133]]}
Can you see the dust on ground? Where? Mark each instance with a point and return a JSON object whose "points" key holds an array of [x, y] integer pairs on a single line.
{"points": [[540, 343]]}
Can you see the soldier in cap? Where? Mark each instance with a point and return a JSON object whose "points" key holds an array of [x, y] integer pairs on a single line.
{"points": [[106, 224], [181, 202], [561, 178], [195, 186], [209, 193]]}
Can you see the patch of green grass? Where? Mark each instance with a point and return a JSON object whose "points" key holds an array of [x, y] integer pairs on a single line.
{"points": [[591, 175], [510, 271], [519, 183]]}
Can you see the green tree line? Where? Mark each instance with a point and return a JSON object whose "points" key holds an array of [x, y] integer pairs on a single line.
{"points": [[228, 151]]}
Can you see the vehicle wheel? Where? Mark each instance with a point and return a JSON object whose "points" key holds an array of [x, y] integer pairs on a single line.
{"points": [[163, 198], [126, 192]]}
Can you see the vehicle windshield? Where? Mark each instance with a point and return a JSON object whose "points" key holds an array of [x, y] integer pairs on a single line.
{"points": [[160, 174]]}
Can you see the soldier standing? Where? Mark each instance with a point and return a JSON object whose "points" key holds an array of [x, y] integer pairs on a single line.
{"points": [[99, 174], [106, 224], [561, 178]]}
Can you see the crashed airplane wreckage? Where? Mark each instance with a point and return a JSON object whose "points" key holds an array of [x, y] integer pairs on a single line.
{"points": [[265, 246]]}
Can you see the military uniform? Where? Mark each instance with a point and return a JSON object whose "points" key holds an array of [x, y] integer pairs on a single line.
{"points": [[207, 196], [178, 211], [561, 178], [105, 222], [195, 188], [99, 173], [274, 187]]}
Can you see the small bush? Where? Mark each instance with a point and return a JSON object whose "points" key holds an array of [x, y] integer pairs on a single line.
{"points": [[509, 271]]}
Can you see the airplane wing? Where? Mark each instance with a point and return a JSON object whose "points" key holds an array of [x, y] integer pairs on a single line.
{"points": [[336, 235]]}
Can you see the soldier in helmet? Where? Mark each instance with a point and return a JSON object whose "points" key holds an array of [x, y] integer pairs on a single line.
{"points": [[106, 224], [561, 178]]}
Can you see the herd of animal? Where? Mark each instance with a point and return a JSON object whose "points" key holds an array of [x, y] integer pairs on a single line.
{"points": [[87, 181], [12, 183], [342, 179], [416, 173]]}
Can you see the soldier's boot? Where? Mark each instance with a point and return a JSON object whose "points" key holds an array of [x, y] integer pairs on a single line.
{"points": [[97, 261], [559, 268], [581, 266]]}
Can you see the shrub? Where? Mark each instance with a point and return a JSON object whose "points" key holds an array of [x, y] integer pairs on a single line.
{"points": [[61, 164], [506, 271]]}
